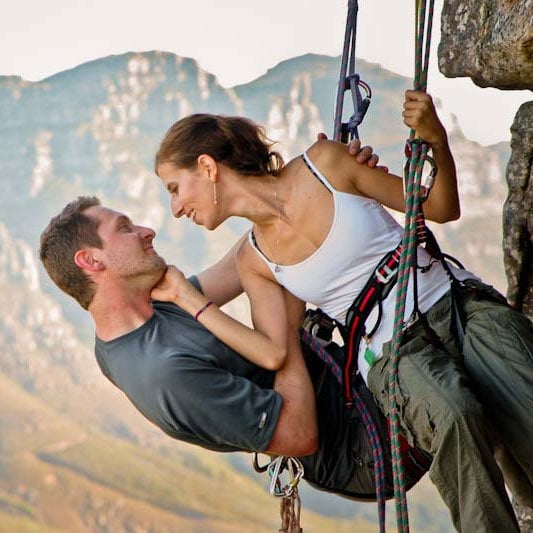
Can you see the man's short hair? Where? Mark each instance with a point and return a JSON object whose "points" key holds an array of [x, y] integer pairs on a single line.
{"points": [[70, 231]]}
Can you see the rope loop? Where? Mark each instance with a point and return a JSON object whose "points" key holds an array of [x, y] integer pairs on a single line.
{"points": [[289, 509], [257, 467]]}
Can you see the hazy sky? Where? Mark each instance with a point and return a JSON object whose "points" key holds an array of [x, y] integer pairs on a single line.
{"points": [[237, 41]]}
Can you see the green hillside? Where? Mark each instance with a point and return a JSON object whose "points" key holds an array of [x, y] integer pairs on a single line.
{"points": [[57, 476]]}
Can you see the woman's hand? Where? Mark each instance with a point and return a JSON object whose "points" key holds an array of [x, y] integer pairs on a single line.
{"points": [[175, 287], [419, 113]]}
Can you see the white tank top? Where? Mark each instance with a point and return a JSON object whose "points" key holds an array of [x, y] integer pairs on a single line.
{"points": [[361, 234]]}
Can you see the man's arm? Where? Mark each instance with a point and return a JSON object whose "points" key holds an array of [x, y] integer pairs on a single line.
{"points": [[296, 433]]}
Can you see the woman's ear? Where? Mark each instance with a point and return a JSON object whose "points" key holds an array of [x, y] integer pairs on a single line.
{"points": [[86, 260], [208, 166]]}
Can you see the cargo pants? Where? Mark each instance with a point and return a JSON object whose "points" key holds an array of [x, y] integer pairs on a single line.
{"points": [[449, 400]]}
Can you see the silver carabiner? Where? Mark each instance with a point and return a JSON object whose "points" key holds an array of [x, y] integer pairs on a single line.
{"points": [[276, 469]]}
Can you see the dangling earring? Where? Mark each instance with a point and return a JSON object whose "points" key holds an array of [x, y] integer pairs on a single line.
{"points": [[215, 199]]}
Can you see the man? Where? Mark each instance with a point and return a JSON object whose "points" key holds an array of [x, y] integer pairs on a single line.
{"points": [[182, 378], [178, 375]]}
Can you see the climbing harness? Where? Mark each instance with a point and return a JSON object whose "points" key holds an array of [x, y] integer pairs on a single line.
{"points": [[350, 80], [373, 293], [367, 419]]}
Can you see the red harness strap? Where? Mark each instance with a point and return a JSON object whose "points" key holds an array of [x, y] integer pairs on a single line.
{"points": [[376, 289]]}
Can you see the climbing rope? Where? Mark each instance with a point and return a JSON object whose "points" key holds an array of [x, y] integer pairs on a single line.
{"points": [[350, 80], [368, 421], [290, 513], [417, 152], [416, 191]]}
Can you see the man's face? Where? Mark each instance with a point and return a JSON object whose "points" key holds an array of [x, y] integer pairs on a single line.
{"points": [[127, 251]]}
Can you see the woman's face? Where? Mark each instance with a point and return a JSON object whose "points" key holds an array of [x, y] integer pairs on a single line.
{"points": [[191, 194]]}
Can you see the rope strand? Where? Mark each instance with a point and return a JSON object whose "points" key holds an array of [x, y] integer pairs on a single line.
{"points": [[413, 218]]}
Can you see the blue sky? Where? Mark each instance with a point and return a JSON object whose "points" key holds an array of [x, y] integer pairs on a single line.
{"points": [[237, 41]]}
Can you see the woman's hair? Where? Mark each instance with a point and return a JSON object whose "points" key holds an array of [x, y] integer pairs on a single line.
{"points": [[236, 142], [68, 232]]}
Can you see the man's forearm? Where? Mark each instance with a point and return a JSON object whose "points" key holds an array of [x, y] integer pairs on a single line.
{"points": [[296, 432]]}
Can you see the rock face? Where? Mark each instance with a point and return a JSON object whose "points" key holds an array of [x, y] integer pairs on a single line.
{"points": [[518, 213], [490, 41]]}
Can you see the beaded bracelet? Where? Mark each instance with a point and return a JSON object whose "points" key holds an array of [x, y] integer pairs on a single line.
{"points": [[202, 309]]}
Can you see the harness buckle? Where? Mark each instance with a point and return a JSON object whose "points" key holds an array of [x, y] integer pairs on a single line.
{"points": [[385, 274], [319, 325]]}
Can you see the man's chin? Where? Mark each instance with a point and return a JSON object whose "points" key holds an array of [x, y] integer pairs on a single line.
{"points": [[160, 270]]}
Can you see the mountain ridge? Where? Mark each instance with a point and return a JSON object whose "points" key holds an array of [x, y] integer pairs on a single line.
{"points": [[93, 130]]}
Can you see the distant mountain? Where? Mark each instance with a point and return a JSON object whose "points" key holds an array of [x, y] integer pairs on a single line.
{"points": [[74, 455]]}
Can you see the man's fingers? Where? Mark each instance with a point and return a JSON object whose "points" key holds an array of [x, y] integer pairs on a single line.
{"points": [[373, 161], [365, 154], [321, 136], [354, 147]]}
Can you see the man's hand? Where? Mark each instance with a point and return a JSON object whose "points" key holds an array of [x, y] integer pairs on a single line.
{"points": [[363, 154]]}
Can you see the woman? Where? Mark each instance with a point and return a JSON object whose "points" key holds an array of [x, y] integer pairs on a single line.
{"points": [[319, 231], [215, 167]]}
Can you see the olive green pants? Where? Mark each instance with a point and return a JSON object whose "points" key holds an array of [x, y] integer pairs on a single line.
{"points": [[449, 400]]}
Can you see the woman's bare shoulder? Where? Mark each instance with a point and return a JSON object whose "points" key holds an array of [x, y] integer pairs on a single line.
{"points": [[334, 162], [326, 150], [249, 261]]}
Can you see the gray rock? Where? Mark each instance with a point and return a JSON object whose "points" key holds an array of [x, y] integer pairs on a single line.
{"points": [[490, 41], [518, 213]]}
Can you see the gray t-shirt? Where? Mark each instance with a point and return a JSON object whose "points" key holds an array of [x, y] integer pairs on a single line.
{"points": [[196, 389], [191, 385]]}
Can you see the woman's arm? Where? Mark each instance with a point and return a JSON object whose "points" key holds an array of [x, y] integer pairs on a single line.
{"points": [[349, 176], [252, 345], [419, 113], [220, 283], [278, 314]]}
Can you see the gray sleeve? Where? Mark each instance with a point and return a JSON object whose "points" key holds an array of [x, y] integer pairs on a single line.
{"points": [[216, 407], [196, 283]]}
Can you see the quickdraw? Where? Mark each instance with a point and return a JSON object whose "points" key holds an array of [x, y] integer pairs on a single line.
{"points": [[285, 489], [350, 80]]}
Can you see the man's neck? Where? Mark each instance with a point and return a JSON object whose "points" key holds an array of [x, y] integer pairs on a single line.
{"points": [[117, 312]]}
